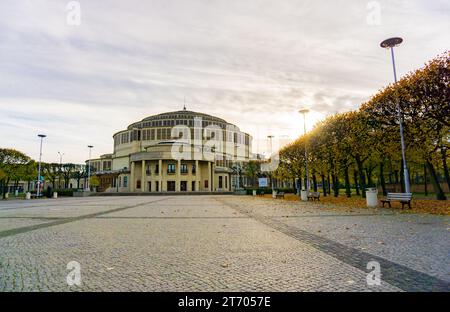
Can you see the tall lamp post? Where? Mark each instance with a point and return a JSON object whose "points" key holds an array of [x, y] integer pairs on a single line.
{"points": [[270, 137], [390, 44], [304, 112], [88, 187], [60, 165], [38, 192]]}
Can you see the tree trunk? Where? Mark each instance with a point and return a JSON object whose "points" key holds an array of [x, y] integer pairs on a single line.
{"points": [[369, 177], [434, 181], [445, 167], [382, 181], [362, 178], [299, 181], [329, 184], [425, 184], [314, 182], [355, 179], [347, 183], [335, 185], [5, 187], [324, 187]]}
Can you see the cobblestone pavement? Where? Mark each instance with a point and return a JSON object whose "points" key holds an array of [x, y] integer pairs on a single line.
{"points": [[217, 243]]}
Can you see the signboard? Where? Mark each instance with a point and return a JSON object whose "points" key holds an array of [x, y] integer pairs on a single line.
{"points": [[262, 182]]}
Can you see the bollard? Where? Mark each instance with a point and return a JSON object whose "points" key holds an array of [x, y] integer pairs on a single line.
{"points": [[254, 192], [274, 194], [55, 194], [28, 195]]}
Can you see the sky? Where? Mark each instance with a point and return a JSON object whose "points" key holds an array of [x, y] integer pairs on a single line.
{"points": [[79, 71]]}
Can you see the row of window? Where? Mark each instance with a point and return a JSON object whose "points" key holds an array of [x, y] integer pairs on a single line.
{"points": [[171, 169], [166, 134], [95, 165], [175, 122], [171, 185]]}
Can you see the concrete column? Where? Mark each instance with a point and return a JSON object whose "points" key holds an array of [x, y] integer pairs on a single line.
{"points": [[143, 177], [132, 182], [209, 176], [160, 174], [178, 176], [197, 176]]}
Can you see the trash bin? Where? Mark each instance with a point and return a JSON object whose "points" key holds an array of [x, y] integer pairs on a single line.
{"points": [[6, 195], [274, 194], [55, 194], [371, 197], [254, 192], [16, 193], [28, 195], [304, 195]]}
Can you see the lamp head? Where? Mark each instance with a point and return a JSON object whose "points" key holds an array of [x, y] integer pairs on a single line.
{"points": [[41, 135], [391, 42], [304, 111]]}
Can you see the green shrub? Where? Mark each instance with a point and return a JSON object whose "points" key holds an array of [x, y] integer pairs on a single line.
{"points": [[68, 192]]}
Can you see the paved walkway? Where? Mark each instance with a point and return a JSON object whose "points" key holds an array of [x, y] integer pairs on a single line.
{"points": [[217, 243]]}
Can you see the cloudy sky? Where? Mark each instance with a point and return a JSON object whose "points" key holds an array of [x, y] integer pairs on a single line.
{"points": [[253, 63]]}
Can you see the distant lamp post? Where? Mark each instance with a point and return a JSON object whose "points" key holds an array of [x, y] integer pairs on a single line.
{"points": [[304, 112], [88, 187], [390, 44], [60, 164], [38, 192], [270, 137]]}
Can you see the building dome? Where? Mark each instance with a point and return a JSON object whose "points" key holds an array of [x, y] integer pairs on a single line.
{"points": [[182, 117]]}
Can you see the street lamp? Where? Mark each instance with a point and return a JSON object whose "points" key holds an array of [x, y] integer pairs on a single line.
{"points": [[390, 44], [304, 111], [270, 137], [60, 166], [38, 192], [89, 168]]}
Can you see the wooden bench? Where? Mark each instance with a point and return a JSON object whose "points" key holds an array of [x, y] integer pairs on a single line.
{"points": [[280, 195], [314, 196], [403, 198]]}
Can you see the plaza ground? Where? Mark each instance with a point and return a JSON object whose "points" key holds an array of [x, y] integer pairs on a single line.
{"points": [[217, 243]]}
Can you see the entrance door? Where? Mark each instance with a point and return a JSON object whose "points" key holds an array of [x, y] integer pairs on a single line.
{"points": [[183, 186], [149, 186], [171, 186], [193, 186]]}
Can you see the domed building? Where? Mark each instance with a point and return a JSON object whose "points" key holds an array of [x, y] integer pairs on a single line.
{"points": [[181, 151]]}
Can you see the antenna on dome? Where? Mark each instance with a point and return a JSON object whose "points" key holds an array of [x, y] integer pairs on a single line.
{"points": [[184, 106]]}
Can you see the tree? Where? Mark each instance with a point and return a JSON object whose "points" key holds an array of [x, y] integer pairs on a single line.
{"points": [[67, 173], [11, 164], [94, 182], [79, 173], [252, 169]]}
